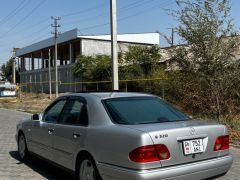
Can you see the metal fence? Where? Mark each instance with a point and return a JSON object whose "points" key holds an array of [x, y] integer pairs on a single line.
{"points": [[154, 85]]}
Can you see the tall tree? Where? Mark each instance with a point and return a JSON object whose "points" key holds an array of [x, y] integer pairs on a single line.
{"points": [[210, 52], [96, 68], [142, 60], [136, 63], [6, 70]]}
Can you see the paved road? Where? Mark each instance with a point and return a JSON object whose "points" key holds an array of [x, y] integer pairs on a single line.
{"points": [[12, 168]]}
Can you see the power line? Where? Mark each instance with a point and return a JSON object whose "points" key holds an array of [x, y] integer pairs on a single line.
{"points": [[23, 19], [134, 4], [121, 9], [128, 6], [146, 10], [64, 15], [85, 10], [39, 38], [28, 35], [128, 17], [23, 38], [34, 25], [56, 33], [36, 32], [107, 23], [13, 12]]}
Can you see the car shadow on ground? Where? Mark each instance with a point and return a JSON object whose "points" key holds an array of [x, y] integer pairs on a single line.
{"points": [[43, 168]]}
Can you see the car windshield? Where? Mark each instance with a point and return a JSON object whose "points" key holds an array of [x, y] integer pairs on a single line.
{"points": [[142, 110]]}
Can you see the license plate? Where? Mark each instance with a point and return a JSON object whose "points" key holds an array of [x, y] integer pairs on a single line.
{"points": [[193, 146]]}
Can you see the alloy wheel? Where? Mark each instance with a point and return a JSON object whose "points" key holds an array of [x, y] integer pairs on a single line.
{"points": [[22, 147], [87, 170]]}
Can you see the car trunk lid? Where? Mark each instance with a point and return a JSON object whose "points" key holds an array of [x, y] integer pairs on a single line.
{"points": [[175, 134]]}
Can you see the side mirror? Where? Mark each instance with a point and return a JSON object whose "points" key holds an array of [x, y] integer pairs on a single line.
{"points": [[35, 117]]}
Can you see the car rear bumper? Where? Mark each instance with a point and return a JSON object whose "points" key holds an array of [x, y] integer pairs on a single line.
{"points": [[196, 170]]}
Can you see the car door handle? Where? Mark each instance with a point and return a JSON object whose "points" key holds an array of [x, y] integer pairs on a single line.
{"points": [[50, 131], [76, 135]]}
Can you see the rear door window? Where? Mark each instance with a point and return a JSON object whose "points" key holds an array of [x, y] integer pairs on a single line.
{"points": [[74, 113], [142, 110]]}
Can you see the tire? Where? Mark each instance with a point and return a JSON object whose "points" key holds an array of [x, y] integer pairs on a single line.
{"points": [[22, 147], [87, 170]]}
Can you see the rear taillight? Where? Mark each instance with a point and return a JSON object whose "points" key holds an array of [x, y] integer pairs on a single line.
{"points": [[163, 152], [150, 153], [222, 143]]}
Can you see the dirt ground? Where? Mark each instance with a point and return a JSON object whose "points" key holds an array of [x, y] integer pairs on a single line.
{"points": [[27, 102]]}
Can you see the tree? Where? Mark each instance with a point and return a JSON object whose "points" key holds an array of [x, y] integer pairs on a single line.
{"points": [[93, 68], [209, 56], [6, 71], [138, 62], [142, 60], [96, 68]]}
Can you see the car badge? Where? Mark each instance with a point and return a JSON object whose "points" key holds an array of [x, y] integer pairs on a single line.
{"points": [[192, 131]]}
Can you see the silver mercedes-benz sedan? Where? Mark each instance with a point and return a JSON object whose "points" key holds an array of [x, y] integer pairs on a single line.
{"points": [[125, 136]]}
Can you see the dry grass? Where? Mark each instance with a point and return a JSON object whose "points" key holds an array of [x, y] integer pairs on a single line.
{"points": [[32, 103]]}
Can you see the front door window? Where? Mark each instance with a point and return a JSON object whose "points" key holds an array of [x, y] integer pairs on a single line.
{"points": [[52, 114]]}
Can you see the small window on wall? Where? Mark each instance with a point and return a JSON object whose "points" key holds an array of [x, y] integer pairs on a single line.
{"points": [[74, 113]]}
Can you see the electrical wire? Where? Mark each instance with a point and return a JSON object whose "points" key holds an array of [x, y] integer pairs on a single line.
{"points": [[24, 18], [135, 4], [121, 9], [107, 23], [23, 38], [12, 13], [146, 10], [63, 15], [39, 38], [126, 7], [128, 17], [85, 10]]}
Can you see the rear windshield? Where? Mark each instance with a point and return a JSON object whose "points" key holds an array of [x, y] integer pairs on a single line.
{"points": [[142, 110]]}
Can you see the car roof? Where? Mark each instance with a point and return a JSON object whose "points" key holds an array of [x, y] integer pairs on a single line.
{"points": [[107, 95]]}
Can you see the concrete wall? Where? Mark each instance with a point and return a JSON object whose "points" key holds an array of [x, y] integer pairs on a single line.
{"points": [[38, 80], [90, 47]]}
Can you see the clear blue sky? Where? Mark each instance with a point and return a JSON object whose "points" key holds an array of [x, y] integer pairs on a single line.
{"points": [[23, 22]]}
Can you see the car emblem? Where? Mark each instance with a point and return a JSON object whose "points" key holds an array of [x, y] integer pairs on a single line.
{"points": [[192, 131]]}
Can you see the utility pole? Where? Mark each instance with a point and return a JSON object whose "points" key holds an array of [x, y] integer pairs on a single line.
{"points": [[56, 33], [14, 71], [49, 74], [114, 45], [172, 36], [13, 65]]}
